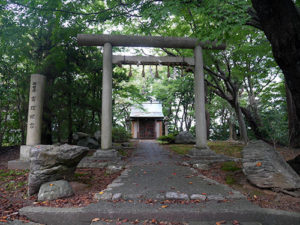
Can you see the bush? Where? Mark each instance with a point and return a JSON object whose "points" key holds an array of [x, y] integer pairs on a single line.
{"points": [[230, 166], [230, 179], [170, 138], [120, 134]]}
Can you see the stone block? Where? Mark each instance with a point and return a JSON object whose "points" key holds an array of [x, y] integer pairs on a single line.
{"points": [[216, 197], [106, 154], [103, 196], [18, 165], [113, 169], [176, 196], [201, 166], [116, 196], [198, 197], [55, 190]]}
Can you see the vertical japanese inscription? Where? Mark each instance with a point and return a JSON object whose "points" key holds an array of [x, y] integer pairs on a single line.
{"points": [[31, 119]]}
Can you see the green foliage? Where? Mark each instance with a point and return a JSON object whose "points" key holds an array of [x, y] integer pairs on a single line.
{"points": [[170, 138], [180, 149], [230, 166], [120, 134], [40, 38], [229, 179]]}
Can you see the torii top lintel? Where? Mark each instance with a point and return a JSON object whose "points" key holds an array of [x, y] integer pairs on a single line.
{"points": [[145, 41]]}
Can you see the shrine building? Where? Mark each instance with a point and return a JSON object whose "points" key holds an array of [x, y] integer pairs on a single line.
{"points": [[147, 120]]}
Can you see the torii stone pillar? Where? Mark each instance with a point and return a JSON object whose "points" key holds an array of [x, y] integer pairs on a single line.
{"points": [[106, 117], [201, 136], [106, 150]]}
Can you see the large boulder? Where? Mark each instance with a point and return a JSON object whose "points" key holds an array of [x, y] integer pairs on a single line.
{"points": [[54, 190], [79, 135], [88, 142], [184, 137], [50, 163], [265, 168]]}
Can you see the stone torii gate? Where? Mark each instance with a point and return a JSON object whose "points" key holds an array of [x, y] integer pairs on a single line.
{"points": [[108, 41]]}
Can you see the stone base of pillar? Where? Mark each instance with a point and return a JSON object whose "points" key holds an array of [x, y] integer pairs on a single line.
{"points": [[25, 152], [109, 154], [18, 165], [24, 162], [200, 152], [208, 156]]}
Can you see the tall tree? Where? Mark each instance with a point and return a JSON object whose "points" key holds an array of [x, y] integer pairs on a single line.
{"points": [[280, 21]]}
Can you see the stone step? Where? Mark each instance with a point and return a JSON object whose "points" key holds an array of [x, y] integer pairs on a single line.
{"points": [[174, 212], [149, 221]]}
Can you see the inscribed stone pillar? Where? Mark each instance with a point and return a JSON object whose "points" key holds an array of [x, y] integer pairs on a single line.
{"points": [[35, 114], [201, 136], [106, 120]]}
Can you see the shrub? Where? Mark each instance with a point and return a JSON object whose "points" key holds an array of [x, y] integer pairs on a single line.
{"points": [[230, 179], [230, 166], [170, 138], [120, 134]]}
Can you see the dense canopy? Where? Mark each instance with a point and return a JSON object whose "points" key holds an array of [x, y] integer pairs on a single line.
{"points": [[250, 86]]}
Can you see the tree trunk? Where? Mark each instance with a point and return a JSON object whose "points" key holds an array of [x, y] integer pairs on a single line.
{"points": [[230, 125], [280, 22], [242, 124], [293, 121]]}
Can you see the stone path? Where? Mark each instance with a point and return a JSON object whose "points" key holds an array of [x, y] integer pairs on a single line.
{"points": [[155, 173]]}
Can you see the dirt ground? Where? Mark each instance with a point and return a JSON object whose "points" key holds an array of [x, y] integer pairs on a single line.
{"points": [[13, 187], [263, 197], [87, 182]]}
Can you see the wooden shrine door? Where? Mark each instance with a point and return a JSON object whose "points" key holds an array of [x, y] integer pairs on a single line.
{"points": [[147, 129]]}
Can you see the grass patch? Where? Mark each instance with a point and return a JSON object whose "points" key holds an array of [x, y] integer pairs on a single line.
{"points": [[232, 149], [181, 149], [11, 173], [162, 142], [230, 166], [228, 148], [77, 175], [230, 180]]}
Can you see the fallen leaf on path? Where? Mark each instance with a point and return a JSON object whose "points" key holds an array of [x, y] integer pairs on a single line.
{"points": [[95, 219], [258, 164], [235, 222], [220, 222], [190, 182], [164, 206], [101, 192]]}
